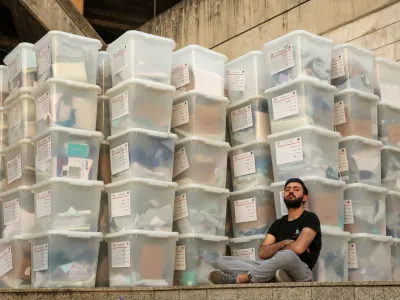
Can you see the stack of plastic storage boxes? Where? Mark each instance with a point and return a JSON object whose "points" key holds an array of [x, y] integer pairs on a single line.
{"points": [[141, 244], [200, 165]]}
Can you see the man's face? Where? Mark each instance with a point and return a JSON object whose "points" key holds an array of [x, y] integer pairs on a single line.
{"points": [[293, 195]]}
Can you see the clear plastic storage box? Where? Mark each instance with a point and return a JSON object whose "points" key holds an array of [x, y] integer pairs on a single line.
{"points": [[200, 69], [360, 160], [21, 115], [393, 214], [325, 198], [353, 68], [66, 103], [3, 128], [333, 258], [65, 259], [103, 121], [246, 76], [364, 209], [201, 161], [200, 209], [298, 54], [248, 120], [390, 173], [303, 101], [67, 152], [19, 161], [104, 76], [139, 203], [141, 258], [369, 257], [252, 211], [199, 114], [142, 104], [304, 151], [18, 212], [67, 204], [246, 247], [4, 90], [356, 114], [15, 254], [22, 67], [387, 87], [251, 165], [142, 153], [140, 55], [389, 123], [395, 261], [67, 56], [196, 256]]}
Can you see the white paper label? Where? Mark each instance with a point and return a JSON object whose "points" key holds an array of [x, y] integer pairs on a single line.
{"points": [[180, 75], [248, 253], [6, 264], [284, 210], [245, 210], [181, 162], [14, 68], [14, 169], [337, 67], [180, 114], [343, 163], [352, 256], [78, 168], [236, 80], [180, 207], [121, 254], [244, 164], [180, 259], [11, 211], [40, 257], [285, 105], [120, 59], [339, 113], [43, 149], [119, 106], [44, 60], [43, 204], [281, 59], [121, 204], [348, 212], [119, 158], [289, 151], [241, 118], [42, 107]]}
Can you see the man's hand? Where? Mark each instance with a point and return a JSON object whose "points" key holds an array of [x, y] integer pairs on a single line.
{"points": [[268, 248]]}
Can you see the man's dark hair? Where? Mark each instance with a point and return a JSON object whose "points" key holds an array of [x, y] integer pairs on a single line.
{"points": [[298, 180]]}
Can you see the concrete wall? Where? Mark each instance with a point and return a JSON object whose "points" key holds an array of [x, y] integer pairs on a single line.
{"points": [[234, 27]]}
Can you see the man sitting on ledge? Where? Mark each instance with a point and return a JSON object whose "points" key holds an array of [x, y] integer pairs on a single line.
{"points": [[289, 251]]}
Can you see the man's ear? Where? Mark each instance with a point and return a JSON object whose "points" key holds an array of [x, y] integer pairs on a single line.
{"points": [[305, 197]]}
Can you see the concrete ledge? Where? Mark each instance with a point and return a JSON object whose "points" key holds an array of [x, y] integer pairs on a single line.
{"points": [[386, 290]]}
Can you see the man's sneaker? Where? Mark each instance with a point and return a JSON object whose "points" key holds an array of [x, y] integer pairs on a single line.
{"points": [[219, 277], [282, 276]]}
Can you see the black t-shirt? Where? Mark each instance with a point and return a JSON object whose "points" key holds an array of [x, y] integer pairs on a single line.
{"points": [[283, 229]]}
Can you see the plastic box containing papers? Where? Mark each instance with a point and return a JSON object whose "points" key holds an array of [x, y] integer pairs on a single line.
{"points": [[387, 87], [389, 123], [390, 160], [246, 247], [393, 214]]}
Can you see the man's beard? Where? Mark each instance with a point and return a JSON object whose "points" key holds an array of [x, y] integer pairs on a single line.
{"points": [[296, 203]]}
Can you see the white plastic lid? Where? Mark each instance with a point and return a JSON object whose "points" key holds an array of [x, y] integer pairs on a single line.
{"points": [[70, 131], [208, 189], [81, 39], [393, 193], [146, 181], [146, 83], [71, 234], [143, 35], [68, 83], [152, 133], [391, 148], [336, 233], [205, 237], [252, 189], [246, 239], [24, 92], [3, 68], [103, 98], [245, 102], [389, 105], [19, 48], [155, 234], [390, 63], [21, 188], [16, 145], [14, 238], [295, 33], [354, 48], [361, 94], [395, 240], [194, 93], [307, 80], [202, 140], [315, 130], [201, 49], [250, 145], [317, 179], [244, 57], [70, 181], [368, 188], [378, 238], [361, 139]]}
